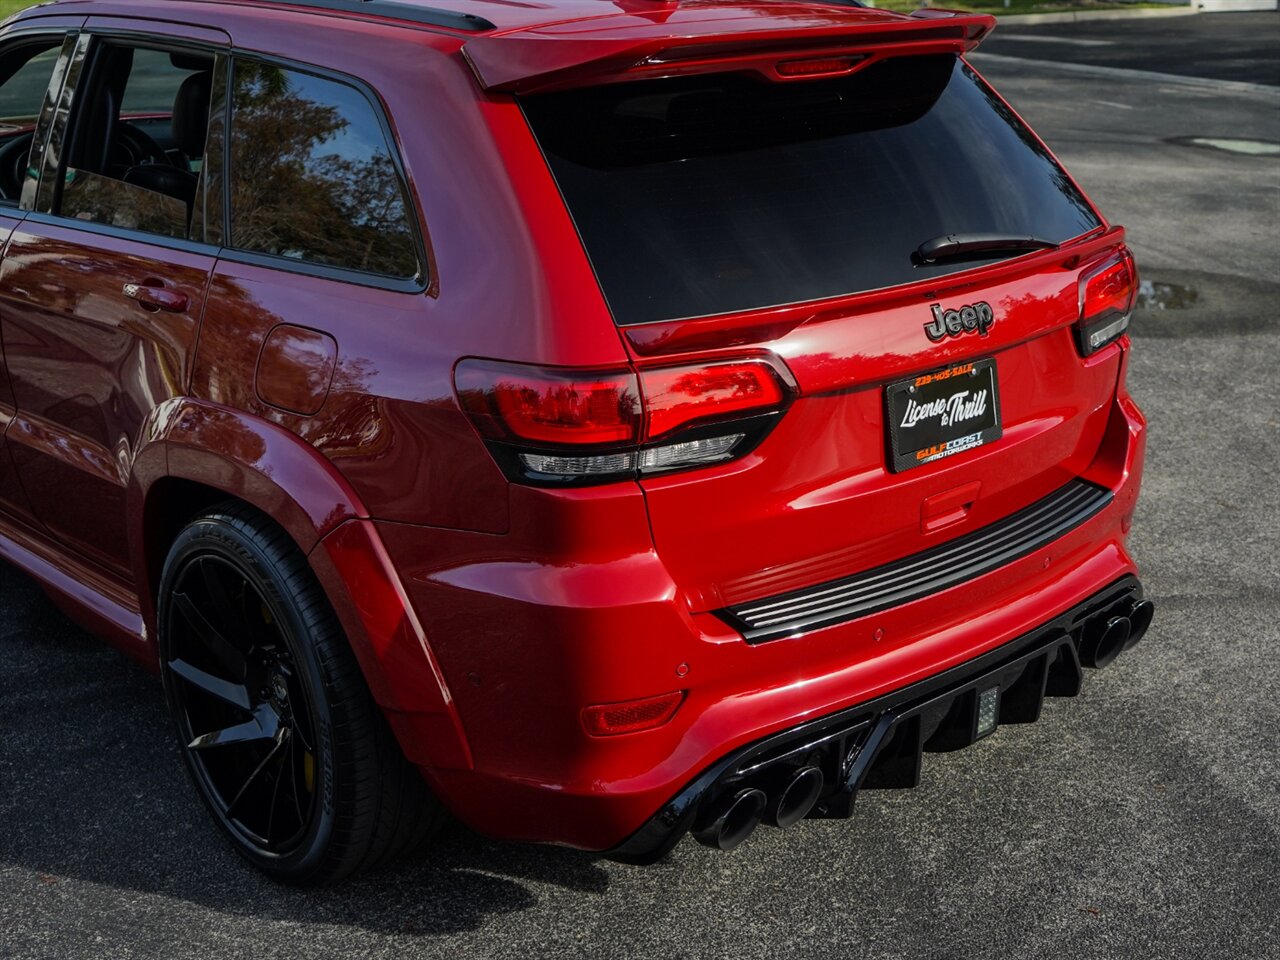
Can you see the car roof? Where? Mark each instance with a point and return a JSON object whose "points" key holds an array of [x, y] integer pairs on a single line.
{"points": [[499, 16]]}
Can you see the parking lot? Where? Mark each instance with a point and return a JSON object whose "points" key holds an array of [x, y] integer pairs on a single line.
{"points": [[1141, 819]]}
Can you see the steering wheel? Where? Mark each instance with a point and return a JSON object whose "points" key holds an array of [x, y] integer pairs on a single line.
{"points": [[131, 147], [14, 155]]}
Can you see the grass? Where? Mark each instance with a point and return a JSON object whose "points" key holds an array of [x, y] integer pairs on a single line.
{"points": [[10, 7]]}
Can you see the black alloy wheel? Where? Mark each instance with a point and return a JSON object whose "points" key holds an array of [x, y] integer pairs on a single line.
{"points": [[242, 709], [277, 728]]}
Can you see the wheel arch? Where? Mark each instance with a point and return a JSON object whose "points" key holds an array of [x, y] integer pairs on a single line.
{"points": [[199, 454]]}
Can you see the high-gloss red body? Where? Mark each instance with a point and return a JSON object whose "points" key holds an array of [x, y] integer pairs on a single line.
{"points": [[487, 615]]}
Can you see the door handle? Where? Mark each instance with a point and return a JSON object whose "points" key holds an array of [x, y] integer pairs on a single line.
{"points": [[152, 293]]}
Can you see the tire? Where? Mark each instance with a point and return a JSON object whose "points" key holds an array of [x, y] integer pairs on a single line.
{"points": [[281, 736]]}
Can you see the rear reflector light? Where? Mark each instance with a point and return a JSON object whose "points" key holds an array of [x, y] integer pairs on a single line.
{"points": [[610, 719], [1107, 295], [551, 425]]}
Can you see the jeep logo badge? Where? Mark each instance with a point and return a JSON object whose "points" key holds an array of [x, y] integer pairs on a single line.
{"points": [[978, 318]]}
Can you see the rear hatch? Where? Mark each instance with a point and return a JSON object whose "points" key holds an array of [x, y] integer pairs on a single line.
{"points": [[786, 205]]}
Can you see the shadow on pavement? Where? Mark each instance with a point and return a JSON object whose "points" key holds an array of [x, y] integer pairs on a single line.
{"points": [[91, 787]]}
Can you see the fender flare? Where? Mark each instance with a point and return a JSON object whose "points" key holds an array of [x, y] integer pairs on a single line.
{"points": [[278, 473]]}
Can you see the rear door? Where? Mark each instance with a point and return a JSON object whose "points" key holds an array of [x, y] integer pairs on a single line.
{"points": [[103, 284], [33, 62], [790, 216]]}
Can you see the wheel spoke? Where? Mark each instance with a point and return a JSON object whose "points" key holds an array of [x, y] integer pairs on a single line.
{"points": [[264, 725], [293, 782], [223, 649], [233, 693], [213, 584], [271, 810], [282, 738]]}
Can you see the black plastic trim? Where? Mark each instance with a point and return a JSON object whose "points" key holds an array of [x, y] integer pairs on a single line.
{"points": [[392, 10], [931, 571]]}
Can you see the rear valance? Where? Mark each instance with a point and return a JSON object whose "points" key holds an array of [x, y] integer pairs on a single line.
{"points": [[547, 58]]}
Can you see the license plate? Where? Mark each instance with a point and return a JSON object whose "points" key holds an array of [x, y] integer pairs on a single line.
{"points": [[943, 413]]}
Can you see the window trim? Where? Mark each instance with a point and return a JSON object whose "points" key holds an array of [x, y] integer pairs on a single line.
{"points": [[66, 116], [123, 233], [421, 283]]}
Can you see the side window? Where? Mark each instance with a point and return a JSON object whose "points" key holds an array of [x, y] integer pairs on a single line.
{"points": [[311, 174], [136, 144], [25, 73]]}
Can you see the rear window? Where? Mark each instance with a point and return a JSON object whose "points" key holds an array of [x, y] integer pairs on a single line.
{"points": [[712, 194]]}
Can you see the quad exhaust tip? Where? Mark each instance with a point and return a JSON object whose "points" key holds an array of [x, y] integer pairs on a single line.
{"points": [[795, 797], [1140, 620], [1104, 642], [789, 801], [1105, 639], [737, 820]]}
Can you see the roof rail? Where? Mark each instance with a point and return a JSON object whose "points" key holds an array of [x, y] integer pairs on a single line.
{"points": [[399, 10]]}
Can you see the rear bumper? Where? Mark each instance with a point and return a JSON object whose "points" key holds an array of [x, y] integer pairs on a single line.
{"points": [[574, 607], [881, 744]]}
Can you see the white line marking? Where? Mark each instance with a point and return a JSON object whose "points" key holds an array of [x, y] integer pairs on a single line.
{"points": [[1045, 38], [1254, 148], [1123, 73]]}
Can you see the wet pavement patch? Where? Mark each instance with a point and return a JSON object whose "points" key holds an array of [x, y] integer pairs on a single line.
{"points": [[1165, 296], [1252, 148], [1189, 303]]}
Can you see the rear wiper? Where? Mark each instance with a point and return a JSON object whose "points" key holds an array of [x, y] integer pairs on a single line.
{"points": [[966, 244]]}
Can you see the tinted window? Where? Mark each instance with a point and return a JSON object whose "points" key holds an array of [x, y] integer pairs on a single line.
{"points": [[137, 139], [713, 194], [25, 75], [311, 175]]}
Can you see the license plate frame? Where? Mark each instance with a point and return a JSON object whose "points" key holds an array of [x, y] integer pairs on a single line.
{"points": [[939, 414]]}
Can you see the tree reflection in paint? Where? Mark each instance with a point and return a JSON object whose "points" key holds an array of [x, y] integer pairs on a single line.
{"points": [[311, 176]]}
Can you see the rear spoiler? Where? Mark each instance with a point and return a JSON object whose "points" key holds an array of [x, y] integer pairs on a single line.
{"points": [[539, 60]]}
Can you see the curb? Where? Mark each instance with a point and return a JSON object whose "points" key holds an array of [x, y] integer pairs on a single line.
{"points": [[1078, 16]]}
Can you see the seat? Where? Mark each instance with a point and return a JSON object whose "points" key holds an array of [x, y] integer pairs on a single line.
{"points": [[190, 125]]}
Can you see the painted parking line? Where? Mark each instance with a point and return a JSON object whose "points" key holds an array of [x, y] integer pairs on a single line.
{"points": [[1125, 73], [1046, 38]]}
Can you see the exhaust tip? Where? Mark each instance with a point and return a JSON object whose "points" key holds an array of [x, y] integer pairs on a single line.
{"points": [[1104, 642], [1139, 621], [795, 798], [736, 821]]}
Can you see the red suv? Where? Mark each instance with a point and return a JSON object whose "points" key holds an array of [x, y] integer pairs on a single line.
{"points": [[602, 421]]}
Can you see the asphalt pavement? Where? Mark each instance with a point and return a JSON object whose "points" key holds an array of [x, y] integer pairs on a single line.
{"points": [[1141, 819]]}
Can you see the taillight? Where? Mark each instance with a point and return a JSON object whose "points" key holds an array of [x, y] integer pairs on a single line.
{"points": [[557, 426], [507, 401], [674, 397], [1107, 296]]}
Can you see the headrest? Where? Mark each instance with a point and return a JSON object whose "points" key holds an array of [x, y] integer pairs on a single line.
{"points": [[191, 113]]}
